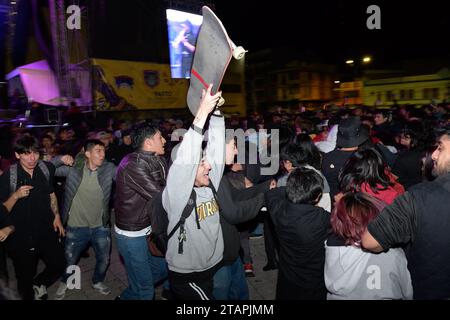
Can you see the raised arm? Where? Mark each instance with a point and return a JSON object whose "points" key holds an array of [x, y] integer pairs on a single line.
{"points": [[233, 211], [215, 150], [395, 225], [181, 177], [275, 199], [62, 165]]}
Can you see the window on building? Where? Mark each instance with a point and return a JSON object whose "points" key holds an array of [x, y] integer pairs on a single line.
{"points": [[273, 78], [259, 83], [379, 96], [294, 90], [304, 77], [260, 94], [435, 93], [410, 94], [426, 93], [352, 94], [294, 75], [402, 94], [389, 96]]}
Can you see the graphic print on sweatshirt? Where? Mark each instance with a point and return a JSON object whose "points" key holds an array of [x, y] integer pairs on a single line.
{"points": [[207, 209]]}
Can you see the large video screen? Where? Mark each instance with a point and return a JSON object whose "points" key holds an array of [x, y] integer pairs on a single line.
{"points": [[183, 29]]}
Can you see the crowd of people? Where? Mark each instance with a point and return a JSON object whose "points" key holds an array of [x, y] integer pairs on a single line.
{"points": [[357, 210]]}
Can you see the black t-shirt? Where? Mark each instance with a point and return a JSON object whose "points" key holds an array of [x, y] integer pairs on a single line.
{"points": [[32, 216], [4, 217], [420, 218], [396, 224], [331, 165]]}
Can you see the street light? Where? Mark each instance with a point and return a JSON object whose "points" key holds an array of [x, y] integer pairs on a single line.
{"points": [[367, 59], [349, 62]]}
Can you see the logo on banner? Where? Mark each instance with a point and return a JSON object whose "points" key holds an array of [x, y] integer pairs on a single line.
{"points": [[124, 82], [151, 78]]}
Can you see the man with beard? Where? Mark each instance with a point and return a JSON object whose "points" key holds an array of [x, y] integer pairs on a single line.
{"points": [[420, 219]]}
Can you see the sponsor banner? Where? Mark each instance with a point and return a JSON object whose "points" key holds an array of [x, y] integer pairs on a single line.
{"points": [[127, 85]]}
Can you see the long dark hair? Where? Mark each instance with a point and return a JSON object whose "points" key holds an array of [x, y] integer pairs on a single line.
{"points": [[421, 134], [364, 166], [308, 152]]}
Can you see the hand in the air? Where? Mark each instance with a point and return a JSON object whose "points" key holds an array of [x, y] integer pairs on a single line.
{"points": [[67, 160], [209, 102]]}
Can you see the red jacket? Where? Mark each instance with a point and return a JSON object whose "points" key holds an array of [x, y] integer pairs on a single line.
{"points": [[387, 195]]}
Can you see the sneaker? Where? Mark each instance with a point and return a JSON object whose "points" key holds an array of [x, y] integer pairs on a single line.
{"points": [[40, 292], [61, 291], [101, 288], [270, 266], [248, 269]]}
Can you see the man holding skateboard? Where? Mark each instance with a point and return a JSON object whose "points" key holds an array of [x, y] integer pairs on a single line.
{"points": [[195, 251]]}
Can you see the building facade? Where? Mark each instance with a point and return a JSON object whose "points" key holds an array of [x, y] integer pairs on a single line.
{"points": [[275, 79], [413, 90]]}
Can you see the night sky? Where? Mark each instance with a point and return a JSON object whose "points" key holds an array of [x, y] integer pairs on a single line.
{"points": [[336, 30], [329, 31]]}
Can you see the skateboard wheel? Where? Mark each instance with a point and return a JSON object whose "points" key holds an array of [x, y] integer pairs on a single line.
{"points": [[239, 53], [221, 102]]}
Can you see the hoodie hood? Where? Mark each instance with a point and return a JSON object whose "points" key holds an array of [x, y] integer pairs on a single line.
{"points": [[350, 273], [344, 268]]}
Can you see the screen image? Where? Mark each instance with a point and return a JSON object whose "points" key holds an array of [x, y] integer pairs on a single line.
{"points": [[183, 30]]}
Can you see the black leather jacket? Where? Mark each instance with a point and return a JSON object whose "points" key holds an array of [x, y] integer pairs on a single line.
{"points": [[140, 176]]}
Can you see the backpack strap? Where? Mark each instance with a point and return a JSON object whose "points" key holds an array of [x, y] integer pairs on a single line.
{"points": [[44, 169], [216, 197], [213, 189], [192, 204], [13, 177], [196, 217], [13, 174]]}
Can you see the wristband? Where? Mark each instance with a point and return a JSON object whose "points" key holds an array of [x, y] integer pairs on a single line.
{"points": [[197, 129]]}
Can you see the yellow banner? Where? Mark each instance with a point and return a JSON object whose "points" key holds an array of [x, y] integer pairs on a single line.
{"points": [[128, 85]]}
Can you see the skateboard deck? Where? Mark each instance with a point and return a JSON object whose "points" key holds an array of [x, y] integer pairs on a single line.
{"points": [[213, 53]]}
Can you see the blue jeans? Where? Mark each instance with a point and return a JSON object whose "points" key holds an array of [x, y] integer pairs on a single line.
{"points": [[230, 282], [143, 269], [77, 239]]}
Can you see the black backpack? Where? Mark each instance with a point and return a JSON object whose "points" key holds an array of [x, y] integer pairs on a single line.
{"points": [[158, 239]]}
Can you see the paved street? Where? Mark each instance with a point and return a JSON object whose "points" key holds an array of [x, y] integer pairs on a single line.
{"points": [[262, 286]]}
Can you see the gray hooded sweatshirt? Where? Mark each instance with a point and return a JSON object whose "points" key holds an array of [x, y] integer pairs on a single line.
{"points": [[203, 248], [354, 274]]}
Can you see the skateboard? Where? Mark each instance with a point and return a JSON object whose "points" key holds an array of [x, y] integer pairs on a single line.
{"points": [[213, 52]]}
